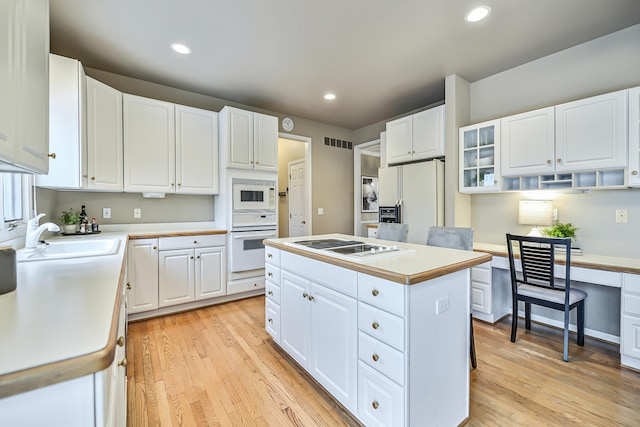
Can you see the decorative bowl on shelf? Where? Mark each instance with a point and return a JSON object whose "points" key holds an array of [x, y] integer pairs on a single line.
{"points": [[485, 161]]}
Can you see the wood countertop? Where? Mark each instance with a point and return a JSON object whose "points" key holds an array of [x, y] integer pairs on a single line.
{"points": [[596, 262], [155, 234], [427, 262]]}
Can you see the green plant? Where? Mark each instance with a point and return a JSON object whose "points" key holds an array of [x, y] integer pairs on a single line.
{"points": [[70, 217], [561, 230]]}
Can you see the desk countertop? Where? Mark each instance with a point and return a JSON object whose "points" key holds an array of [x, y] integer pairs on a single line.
{"points": [[596, 262]]}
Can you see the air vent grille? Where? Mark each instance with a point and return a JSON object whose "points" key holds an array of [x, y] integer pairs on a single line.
{"points": [[339, 143]]}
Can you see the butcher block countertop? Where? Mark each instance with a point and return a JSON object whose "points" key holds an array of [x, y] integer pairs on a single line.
{"points": [[427, 262]]}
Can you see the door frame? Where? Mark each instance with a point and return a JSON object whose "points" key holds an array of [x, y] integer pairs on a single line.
{"points": [[308, 179], [371, 148]]}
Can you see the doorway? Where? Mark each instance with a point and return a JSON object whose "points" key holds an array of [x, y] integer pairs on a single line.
{"points": [[366, 161], [294, 150]]}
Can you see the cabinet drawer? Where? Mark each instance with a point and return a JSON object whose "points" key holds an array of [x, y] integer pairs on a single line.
{"points": [[631, 304], [630, 336], [380, 293], [481, 297], [245, 285], [481, 273], [271, 255], [382, 325], [380, 401], [336, 278], [272, 273], [272, 291], [631, 283], [381, 357], [272, 320], [188, 242]]}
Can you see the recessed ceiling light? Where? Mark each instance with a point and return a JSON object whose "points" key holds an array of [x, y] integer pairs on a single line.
{"points": [[180, 48], [329, 96], [478, 14]]}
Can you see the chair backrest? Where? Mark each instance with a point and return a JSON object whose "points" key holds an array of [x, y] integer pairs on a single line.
{"points": [[537, 260], [451, 237], [392, 231]]}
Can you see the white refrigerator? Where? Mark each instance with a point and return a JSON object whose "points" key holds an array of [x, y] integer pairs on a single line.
{"points": [[419, 190]]}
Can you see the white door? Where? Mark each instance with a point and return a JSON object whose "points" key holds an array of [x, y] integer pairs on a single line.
{"points": [[298, 199]]}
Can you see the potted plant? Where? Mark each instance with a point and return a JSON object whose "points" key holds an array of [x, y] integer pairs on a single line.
{"points": [[563, 230], [70, 220]]}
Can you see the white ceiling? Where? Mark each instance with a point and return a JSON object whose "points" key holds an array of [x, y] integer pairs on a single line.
{"points": [[381, 58]]}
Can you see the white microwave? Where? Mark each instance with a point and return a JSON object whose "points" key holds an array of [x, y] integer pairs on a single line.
{"points": [[256, 196]]}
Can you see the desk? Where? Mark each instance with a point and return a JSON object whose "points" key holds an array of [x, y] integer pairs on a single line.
{"points": [[613, 284]]}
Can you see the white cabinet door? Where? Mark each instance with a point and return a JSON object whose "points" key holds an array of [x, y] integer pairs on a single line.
{"points": [[265, 142], [196, 151], [33, 110], [479, 167], [239, 131], [149, 145], [592, 133], [7, 82], [400, 140], [528, 143], [634, 137], [142, 274], [295, 317], [210, 273], [24, 85], [67, 137], [105, 161], [428, 133], [176, 277], [334, 344]]}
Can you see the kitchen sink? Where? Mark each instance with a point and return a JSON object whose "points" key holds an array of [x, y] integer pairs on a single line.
{"points": [[64, 249]]}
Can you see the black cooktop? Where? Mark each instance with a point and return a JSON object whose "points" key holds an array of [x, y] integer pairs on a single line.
{"points": [[327, 243]]}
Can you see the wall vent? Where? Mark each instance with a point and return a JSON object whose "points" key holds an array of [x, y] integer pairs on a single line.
{"points": [[334, 142]]}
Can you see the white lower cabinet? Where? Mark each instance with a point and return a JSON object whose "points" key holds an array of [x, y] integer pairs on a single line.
{"points": [[380, 401], [630, 321], [319, 330], [490, 301], [170, 271], [272, 292]]}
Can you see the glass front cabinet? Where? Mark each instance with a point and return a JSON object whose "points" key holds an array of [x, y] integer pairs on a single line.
{"points": [[480, 157]]}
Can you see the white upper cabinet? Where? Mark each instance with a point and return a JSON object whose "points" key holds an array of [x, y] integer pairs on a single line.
{"points": [[634, 137], [528, 143], [24, 85], [105, 159], [591, 133], [67, 136], [149, 145], [196, 151], [479, 157], [416, 137], [249, 140]]}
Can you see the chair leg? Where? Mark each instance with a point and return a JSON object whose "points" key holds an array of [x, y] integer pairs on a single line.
{"points": [[514, 321], [565, 356], [527, 316], [581, 324], [472, 344]]}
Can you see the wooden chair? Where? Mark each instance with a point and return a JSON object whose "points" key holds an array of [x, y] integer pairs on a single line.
{"points": [[392, 231], [455, 238], [535, 283]]}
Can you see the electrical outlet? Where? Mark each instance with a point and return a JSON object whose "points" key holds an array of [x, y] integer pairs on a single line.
{"points": [[137, 213], [320, 211], [442, 305], [106, 212], [622, 216]]}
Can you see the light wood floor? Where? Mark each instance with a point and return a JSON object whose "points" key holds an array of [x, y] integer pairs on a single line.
{"points": [[217, 367]]}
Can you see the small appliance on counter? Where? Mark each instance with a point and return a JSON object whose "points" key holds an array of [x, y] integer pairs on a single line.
{"points": [[8, 278], [390, 214]]}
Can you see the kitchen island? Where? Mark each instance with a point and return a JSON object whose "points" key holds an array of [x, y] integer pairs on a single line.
{"points": [[383, 329]]}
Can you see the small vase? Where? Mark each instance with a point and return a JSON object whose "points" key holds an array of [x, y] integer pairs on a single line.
{"points": [[70, 228]]}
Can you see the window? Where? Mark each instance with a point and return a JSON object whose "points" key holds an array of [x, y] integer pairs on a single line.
{"points": [[15, 197], [12, 197]]}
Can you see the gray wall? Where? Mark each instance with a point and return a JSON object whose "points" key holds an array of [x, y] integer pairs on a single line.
{"points": [[602, 65]]}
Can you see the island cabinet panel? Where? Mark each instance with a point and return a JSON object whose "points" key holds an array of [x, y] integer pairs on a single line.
{"points": [[272, 292], [380, 400], [295, 317]]}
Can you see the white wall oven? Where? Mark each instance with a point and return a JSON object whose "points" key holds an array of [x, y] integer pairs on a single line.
{"points": [[253, 220]]}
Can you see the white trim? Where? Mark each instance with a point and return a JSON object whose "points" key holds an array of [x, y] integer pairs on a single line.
{"points": [[308, 181], [358, 151]]}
